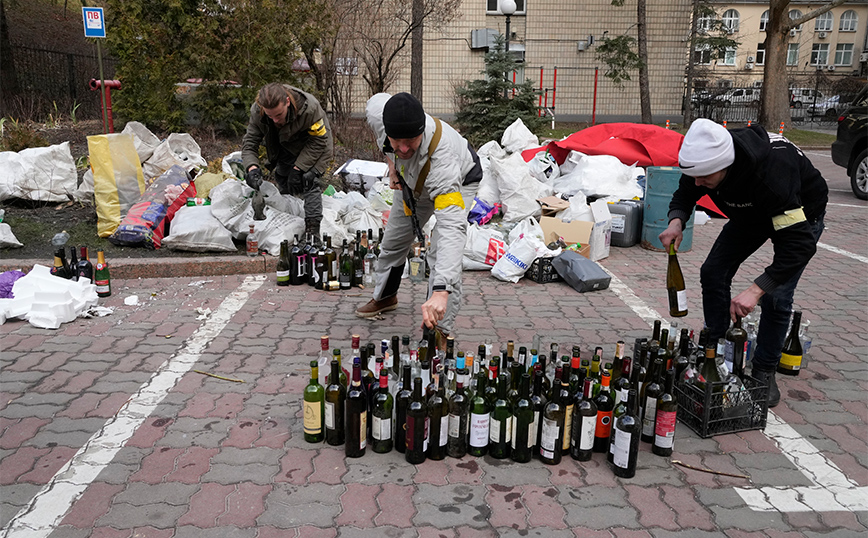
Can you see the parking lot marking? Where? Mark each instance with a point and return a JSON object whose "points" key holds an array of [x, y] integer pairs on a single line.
{"points": [[832, 490], [47, 508], [843, 252], [846, 205]]}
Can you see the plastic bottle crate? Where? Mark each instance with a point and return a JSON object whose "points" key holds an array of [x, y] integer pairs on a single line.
{"points": [[541, 271], [714, 412]]}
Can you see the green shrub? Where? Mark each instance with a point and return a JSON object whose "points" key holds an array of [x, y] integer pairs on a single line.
{"points": [[19, 135]]}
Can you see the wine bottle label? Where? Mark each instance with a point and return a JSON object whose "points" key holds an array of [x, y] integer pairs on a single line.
{"points": [[586, 432], [363, 430], [791, 362], [410, 427], [494, 430], [533, 431], [312, 418], [510, 427], [549, 439], [512, 438], [301, 263], [622, 448], [621, 396], [444, 430], [282, 276], [649, 417], [604, 424], [335, 270], [531, 435], [368, 267], [479, 430], [381, 428], [681, 299], [454, 426], [330, 415], [568, 427], [427, 434], [664, 431], [102, 286]]}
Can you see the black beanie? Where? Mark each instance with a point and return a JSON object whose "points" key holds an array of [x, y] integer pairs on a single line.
{"points": [[403, 116]]}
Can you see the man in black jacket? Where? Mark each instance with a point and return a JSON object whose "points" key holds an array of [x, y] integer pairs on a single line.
{"points": [[769, 190]]}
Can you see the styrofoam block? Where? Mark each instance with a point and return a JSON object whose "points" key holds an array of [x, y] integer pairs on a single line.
{"points": [[15, 308], [46, 322]]}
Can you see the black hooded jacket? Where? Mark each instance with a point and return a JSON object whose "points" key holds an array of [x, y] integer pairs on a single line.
{"points": [[769, 178]]}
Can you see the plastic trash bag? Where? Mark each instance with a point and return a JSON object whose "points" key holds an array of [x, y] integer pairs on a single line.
{"points": [[144, 140], [484, 246], [518, 189], [544, 167], [580, 272], [39, 174], [145, 223], [233, 165], [7, 238], [118, 182], [195, 229], [7, 280], [517, 137], [528, 226], [178, 149], [578, 210], [518, 257], [599, 176]]}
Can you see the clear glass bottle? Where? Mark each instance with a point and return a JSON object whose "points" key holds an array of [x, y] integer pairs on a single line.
{"points": [[417, 266], [252, 242]]}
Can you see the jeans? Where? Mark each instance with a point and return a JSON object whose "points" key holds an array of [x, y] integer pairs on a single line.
{"points": [[736, 242]]}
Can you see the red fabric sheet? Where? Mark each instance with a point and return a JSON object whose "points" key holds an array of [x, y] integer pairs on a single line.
{"points": [[640, 143]]}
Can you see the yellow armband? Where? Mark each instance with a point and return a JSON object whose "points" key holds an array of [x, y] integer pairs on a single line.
{"points": [[788, 218], [445, 200], [317, 129]]}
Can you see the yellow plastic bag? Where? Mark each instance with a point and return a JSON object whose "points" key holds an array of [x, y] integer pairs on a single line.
{"points": [[118, 182], [207, 181]]}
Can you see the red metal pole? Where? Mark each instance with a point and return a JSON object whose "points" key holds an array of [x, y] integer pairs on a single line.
{"points": [[554, 87], [539, 107], [513, 83], [108, 108], [594, 113]]}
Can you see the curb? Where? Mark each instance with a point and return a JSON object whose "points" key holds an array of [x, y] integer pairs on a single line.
{"points": [[129, 268]]}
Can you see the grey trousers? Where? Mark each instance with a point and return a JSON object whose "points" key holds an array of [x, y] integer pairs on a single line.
{"points": [[311, 194], [397, 240]]}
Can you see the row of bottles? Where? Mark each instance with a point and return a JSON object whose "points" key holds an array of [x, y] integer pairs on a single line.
{"points": [[318, 264], [445, 403], [79, 266]]}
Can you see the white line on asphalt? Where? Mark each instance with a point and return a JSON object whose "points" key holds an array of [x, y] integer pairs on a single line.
{"points": [[832, 490], [48, 506], [843, 252], [847, 205]]}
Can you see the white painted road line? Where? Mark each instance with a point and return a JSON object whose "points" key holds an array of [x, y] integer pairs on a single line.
{"points": [[832, 492], [843, 252], [50, 504], [846, 205]]}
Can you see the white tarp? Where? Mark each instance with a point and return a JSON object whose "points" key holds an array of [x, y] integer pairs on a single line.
{"points": [[38, 174]]}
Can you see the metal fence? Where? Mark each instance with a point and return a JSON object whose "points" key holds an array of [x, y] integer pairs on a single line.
{"points": [[52, 83]]}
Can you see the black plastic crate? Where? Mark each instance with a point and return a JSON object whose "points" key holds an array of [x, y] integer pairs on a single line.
{"points": [[714, 412], [541, 271]]}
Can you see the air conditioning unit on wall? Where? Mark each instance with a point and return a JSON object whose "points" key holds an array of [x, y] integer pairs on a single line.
{"points": [[831, 68], [748, 65], [822, 35], [793, 32], [750, 59]]}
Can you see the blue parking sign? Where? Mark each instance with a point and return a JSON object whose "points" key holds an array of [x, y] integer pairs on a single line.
{"points": [[94, 22]]}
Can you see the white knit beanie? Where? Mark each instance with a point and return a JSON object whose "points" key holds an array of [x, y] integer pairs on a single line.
{"points": [[707, 148]]}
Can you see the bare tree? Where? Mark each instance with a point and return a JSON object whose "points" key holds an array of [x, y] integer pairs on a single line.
{"points": [[416, 50], [774, 106], [381, 29]]}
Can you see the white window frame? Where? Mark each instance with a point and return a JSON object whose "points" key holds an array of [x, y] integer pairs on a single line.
{"points": [[764, 21], [704, 52], [520, 7], [849, 21], [760, 53], [795, 14], [819, 54], [792, 54], [703, 24], [824, 22], [844, 50], [728, 57], [731, 19]]}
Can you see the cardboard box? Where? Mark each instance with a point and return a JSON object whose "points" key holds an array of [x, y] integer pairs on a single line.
{"points": [[551, 205], [595, 237]]}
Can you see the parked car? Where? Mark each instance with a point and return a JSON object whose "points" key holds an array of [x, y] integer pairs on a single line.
{"points": [[827, 107], [740, 96], [850, 149], [800, 97]]}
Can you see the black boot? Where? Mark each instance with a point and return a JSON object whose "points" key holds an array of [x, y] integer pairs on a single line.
{"points": [[311, 226], [767, 377], [282, 184]]}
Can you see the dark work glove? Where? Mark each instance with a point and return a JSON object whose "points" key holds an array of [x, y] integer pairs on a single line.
{"points": [[295, 178], [254, 178], [308, 179]]}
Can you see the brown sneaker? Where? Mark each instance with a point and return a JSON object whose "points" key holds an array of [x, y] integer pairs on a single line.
{"points": [[373, 307]]}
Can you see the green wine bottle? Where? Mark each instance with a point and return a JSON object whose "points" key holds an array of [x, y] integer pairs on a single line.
{"points": [[402, 402], [356, 415], [438, 424], [551, 437], [456, 446], [335, 396], [522, 427], [479, 418], [417, 425], [584, 424], [314, 403], [500, 425], [626, 439], [381, 416]]}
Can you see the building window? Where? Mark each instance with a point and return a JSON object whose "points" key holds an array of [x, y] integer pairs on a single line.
{"points": [[793, 54], [702, 55], [704, 24], [844, 54], [760, 53], [764, 20], [492, 7], [795, 14], [820, 54], [849, 21], [823, 23], [730, 20], [728, 57]]}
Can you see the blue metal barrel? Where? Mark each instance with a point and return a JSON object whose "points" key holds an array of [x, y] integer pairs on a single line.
{"points": [[660, 184]]}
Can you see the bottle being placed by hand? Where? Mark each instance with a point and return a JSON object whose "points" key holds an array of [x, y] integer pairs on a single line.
{"points": [[101, 276], [314, 404], [791, 354], [675, 286], [252, 242]]}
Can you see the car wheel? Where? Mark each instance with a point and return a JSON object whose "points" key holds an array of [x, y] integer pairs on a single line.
{"points": [[727, 103], [831, 113], [859, 177], [797, 104]]}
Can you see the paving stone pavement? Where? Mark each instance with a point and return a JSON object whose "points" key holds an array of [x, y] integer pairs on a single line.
{"points": [[216, 458]]}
